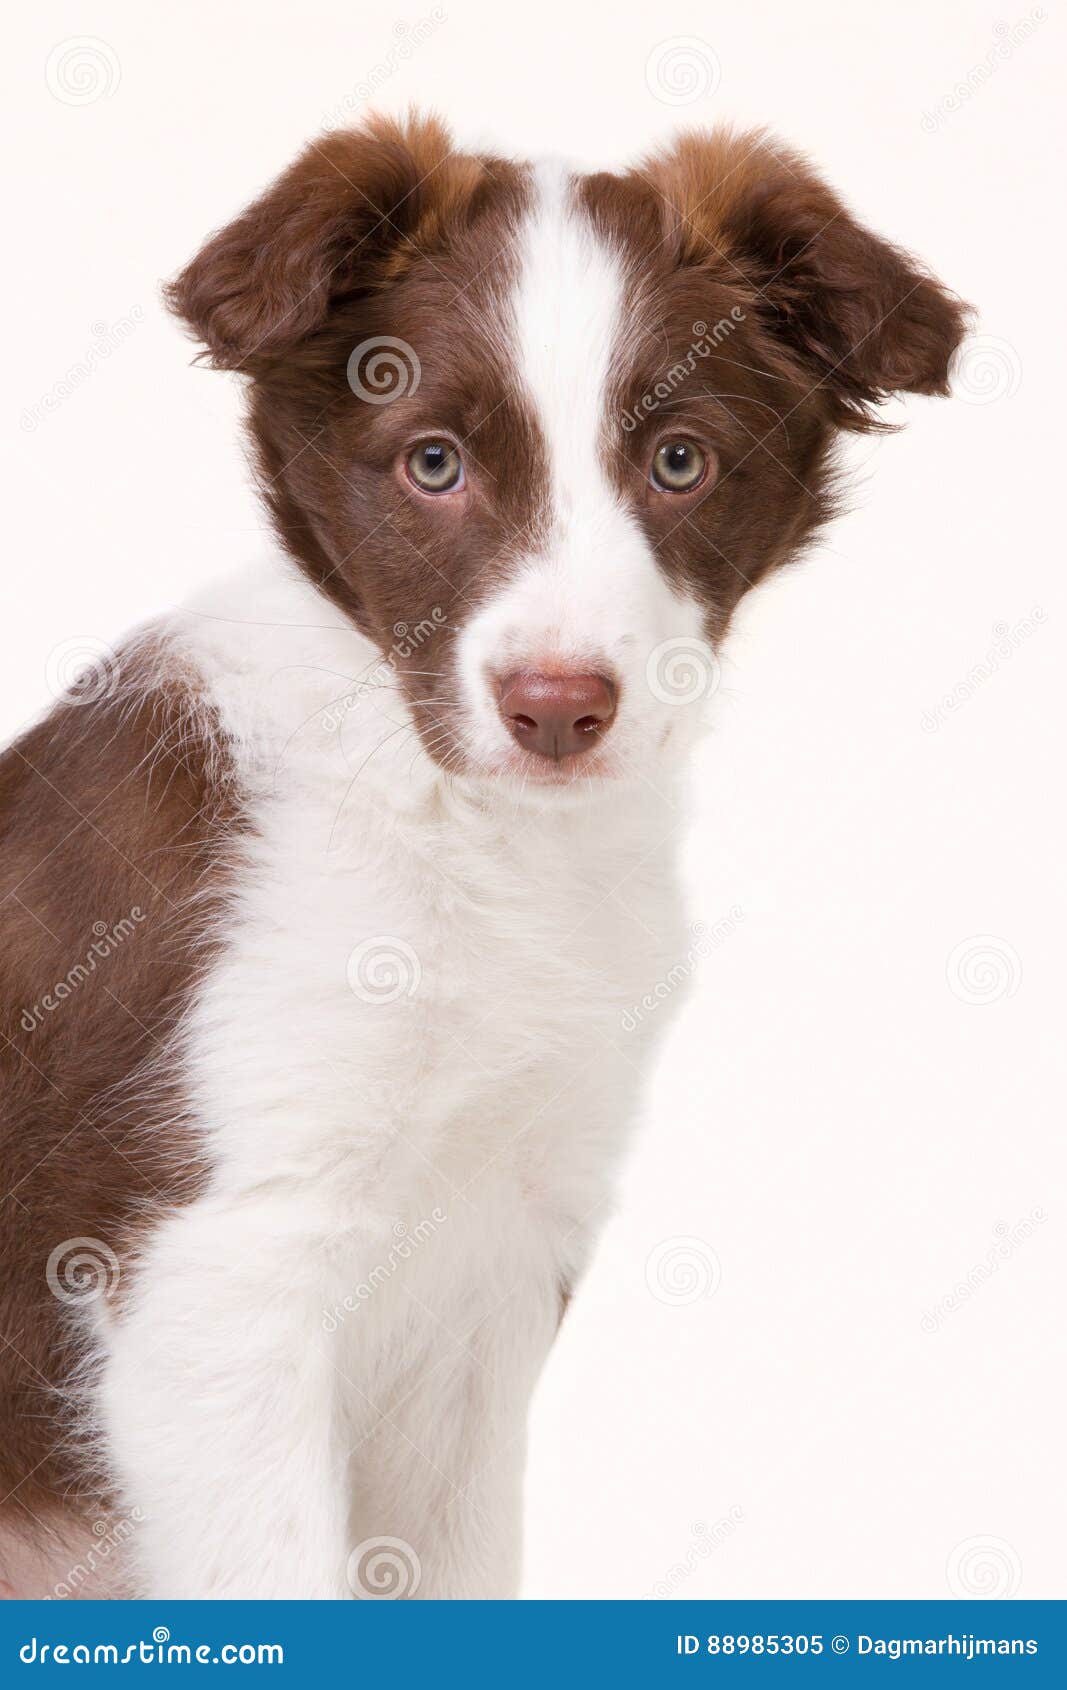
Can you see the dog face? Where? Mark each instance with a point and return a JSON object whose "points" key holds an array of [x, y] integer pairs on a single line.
{"points": [[565, 421]]}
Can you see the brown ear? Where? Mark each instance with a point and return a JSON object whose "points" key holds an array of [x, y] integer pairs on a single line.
{"points": [[328, 228], [864, 315]]}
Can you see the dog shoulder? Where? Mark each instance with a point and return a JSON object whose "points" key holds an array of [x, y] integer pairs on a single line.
{"points": [[117, 812]]}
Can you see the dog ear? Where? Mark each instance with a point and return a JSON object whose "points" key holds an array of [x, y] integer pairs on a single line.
{"points": [[335, 224], [864, 316]]}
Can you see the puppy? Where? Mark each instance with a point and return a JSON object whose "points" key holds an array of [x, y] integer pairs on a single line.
{"points": [[325, 897]]}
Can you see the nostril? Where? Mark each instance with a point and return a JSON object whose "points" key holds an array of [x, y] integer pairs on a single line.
{"points": [[556, 715]]}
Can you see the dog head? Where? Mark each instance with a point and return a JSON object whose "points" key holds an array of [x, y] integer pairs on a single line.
{"points": [[563, 422]]}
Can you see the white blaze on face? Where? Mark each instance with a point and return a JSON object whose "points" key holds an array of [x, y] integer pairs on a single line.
{"points": [[590, 596]]}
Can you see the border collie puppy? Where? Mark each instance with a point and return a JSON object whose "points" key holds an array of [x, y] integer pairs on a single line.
{"points": [[324, 897]]}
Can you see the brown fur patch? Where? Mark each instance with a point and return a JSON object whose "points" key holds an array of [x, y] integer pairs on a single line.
{"points": [[381, 234], [863, 316], [765, 319], [114, 822]]}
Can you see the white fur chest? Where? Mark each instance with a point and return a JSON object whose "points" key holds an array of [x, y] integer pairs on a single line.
{"points": [[421, 997], [441, 992]]}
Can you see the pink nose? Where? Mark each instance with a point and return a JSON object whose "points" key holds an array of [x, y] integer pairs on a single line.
{"points": [[556, 715]]}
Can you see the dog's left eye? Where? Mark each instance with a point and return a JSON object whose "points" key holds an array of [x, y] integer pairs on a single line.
{"points": [[678, 466], [435, 466]]}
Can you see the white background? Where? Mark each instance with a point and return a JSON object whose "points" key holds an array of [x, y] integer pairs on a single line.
{"points": [[846, 1112]]}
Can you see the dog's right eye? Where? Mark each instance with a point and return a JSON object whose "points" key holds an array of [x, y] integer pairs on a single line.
{"points": [[435, 466], [678, 467]]}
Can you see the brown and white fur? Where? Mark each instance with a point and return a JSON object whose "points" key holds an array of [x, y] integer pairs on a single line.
{"points": [[328, 1136]]}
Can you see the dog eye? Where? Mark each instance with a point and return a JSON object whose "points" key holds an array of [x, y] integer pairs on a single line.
{"points": [[435, 466], [678, 466]]}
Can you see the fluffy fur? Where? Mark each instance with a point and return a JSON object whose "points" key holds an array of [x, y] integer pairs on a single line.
{"points": [[347, 1126]]}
